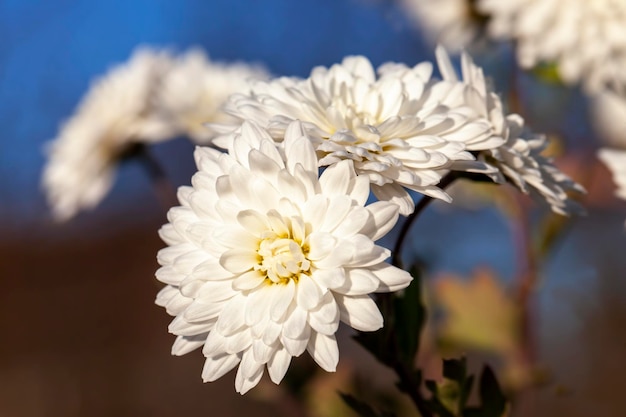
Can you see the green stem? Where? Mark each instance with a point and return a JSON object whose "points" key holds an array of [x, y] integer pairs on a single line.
{"points": [[408, 382], [396, 258], [165, 191]]}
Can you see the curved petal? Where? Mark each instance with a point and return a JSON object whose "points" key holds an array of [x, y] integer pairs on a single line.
{"points": [[278, 365], [359, 312], [324, 350], [216, 367]]}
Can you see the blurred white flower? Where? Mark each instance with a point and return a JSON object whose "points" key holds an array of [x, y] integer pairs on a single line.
{"points": [[195, 88], [265, 258], [448, 22], [114, 114], [393, 127], [586, 38], [151, 98], [608, 117], [518, 159], [615, 160]]}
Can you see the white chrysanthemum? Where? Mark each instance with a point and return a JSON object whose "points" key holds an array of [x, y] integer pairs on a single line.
{"points": [[615, 160], [448, 22], [115, 113], [195, 88], [586, 38], [265, 258], [519, 158], [608, 116], [394, 129]]}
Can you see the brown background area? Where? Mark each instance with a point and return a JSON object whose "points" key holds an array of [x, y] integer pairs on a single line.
{"points": [[81, 335]]}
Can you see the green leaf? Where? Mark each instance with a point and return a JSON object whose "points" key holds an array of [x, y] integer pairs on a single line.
{"points": [[491, 397], [456, 370], [410, 315], [440, 409], [398, 340], [362, 408], [378, 344], [493, 403], [410, 380], [450, 395], [548, 72]]}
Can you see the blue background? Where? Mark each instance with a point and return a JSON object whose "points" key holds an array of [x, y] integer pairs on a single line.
{"points": [[50, 50]]}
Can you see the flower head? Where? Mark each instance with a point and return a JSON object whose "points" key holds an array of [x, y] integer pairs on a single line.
{"points": [[115, 114], [518, 159], [393, 127], [448, 22], [265, 258], [586, 38], [608, 117], [615, 161], [195, 88]]}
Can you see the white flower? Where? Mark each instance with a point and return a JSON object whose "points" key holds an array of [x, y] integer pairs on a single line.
{"points": [[115, 113], [265, 258], [608, 116], [615, 160], [518, 159], [586, 38], [393, 127], [448, 22], [195, 88]]}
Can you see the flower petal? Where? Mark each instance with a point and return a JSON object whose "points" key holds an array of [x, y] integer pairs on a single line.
{"points": [[383, 219], [391, 278], [239, 260], [309, 293], [359, 312], [278, 365], [216, 367], [358, 281], [186, 344], [324, 351]]}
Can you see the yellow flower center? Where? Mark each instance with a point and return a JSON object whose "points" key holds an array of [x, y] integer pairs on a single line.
{"points": [[281, 259]]}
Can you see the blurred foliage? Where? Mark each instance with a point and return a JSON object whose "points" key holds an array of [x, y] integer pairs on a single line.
{"points": [[547, 72], [396, 345], [362, 408], [450, 396], [398, 341], [479, 313]]}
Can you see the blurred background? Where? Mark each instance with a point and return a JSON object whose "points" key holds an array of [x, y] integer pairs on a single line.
{"points": [[81, 335]]}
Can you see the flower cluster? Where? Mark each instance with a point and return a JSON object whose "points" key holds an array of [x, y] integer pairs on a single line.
{"points": [[151, 98], [448, 22], [587, 39], [195, 88], [393, 127], [518, 159], [405, 129], [265, 257], [615, 161]]}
